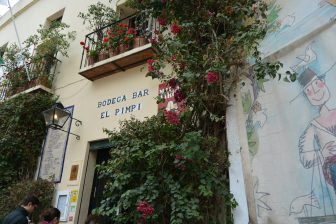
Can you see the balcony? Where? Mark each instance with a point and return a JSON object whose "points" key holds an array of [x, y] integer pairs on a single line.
{"points": [[39, 79], [117, 47]]}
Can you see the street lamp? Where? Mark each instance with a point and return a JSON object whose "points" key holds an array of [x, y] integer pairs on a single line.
{"points": [[57, 116]]}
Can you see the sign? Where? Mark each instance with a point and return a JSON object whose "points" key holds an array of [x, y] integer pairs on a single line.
{"points": [[115, 101], [73, 196], [53, 153], [74, 172], [167, 93]]}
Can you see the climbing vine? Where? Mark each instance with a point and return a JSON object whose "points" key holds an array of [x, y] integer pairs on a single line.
{"points": [[22, 130], [173, 167]]}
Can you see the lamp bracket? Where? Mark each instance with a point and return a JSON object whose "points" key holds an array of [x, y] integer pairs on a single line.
{"points": [[77, 136]]}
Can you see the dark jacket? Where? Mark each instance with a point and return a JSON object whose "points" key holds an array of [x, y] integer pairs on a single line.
{"points": [[18, 216]]}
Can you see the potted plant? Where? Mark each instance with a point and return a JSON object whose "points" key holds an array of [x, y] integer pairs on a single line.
{"points": [[124, 41], [92, 56], [114, 39], [104, 47], [47, 43]]}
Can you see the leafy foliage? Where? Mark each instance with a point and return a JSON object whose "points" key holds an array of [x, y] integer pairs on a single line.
{"points": [[22, 131], [98, 15], [176, 171]]}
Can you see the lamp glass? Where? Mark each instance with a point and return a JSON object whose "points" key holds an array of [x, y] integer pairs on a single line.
{"points": [[56, 117], [60, 117]]}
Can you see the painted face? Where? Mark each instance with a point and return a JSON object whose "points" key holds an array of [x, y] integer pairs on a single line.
{"points": [[317, 92]]}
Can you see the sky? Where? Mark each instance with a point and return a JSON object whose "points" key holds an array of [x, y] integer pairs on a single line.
{"points": [[4, 9]]}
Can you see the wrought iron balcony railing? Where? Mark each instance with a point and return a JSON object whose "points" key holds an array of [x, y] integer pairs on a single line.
{"points": [[40, 72], [117, 47]]}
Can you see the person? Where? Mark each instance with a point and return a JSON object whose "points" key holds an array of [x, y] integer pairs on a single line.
{"points": [[92, 219], [20, 214], [50, 216]]}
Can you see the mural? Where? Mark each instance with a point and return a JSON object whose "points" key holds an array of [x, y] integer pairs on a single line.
{"points": [[291, 128]]}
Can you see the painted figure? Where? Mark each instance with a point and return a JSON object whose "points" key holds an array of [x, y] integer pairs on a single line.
{"points": [[318, 142]]}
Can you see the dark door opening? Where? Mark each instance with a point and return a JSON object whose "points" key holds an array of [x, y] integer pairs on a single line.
{"points": [[98, 184]]}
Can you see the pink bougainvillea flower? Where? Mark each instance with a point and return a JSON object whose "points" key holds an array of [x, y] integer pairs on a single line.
{"points": [[145, 209], [151, 68], [150, 61], [172, 117], [178, 95], [172, 83], [82, 43], [212, 77], [162, 21], [175, 29]]}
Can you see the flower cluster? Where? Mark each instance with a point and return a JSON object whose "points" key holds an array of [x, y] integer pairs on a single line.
{"points": [[172, 117], [179, 96], [145, 209], [150, 65], [172, 83], [175, 29], [212, 77]]}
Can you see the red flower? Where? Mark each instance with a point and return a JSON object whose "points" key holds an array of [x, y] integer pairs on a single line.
{"points": [[172, 83], [172, 117], [175, 29], [144, 208], [162, 21], [151, 68], [106, 39], [179, 157], [126, 39], [173, 58], [130, 31], [178, 95], [150, 61], [212, 77], [87, 48], [82, 43]]}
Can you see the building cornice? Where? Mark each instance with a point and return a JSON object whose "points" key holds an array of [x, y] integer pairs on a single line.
{"points": [[17, 9]]}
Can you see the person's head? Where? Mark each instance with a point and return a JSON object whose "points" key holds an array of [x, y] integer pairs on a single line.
{"points": [[30, 203], [314, 88], [51, 215], [92, 219]]}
